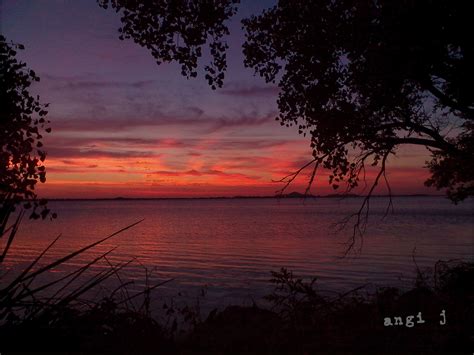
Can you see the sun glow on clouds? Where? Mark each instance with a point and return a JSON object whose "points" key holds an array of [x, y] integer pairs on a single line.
{"points": [[201, 165], [191, 167]]}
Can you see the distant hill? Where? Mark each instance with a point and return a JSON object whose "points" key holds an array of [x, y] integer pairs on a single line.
{"points": [[295, 194], [341, 195]]}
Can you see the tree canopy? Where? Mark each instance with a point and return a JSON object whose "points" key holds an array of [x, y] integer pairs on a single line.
{"points": [[22, 124], [359, 77], [367, 77]]}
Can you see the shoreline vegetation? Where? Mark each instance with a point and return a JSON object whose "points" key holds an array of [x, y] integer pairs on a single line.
{"points": [[435, 316]]}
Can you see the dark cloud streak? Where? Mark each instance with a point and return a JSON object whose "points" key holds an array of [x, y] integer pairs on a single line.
{"points": [[201, 173], [249, 91], [208, 124], [68, 149], [88, 85]]}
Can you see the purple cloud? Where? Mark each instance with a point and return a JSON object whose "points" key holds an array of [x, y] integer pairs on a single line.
{"points": [[249, 91], [87, 85]]}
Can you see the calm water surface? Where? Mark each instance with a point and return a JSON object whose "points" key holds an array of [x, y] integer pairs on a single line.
{"points": [[229, 246]]}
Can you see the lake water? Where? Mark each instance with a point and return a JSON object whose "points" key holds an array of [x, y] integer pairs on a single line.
{"points": [[229, 246]]}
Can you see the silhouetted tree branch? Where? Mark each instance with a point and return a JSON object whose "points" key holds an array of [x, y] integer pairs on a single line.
{"points": [[355, 73], [22, 125]]}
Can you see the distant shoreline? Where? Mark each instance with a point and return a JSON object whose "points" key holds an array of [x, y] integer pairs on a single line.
{"points": [[288, 196]]}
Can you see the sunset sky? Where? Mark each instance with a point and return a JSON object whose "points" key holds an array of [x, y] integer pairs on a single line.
{"points": [[124, 126]]}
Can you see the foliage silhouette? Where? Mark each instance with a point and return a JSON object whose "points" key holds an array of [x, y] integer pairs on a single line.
{"points": [[22, 125]]}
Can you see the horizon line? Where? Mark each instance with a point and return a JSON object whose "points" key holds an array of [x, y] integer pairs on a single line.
{"points": [[290, 195]]}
